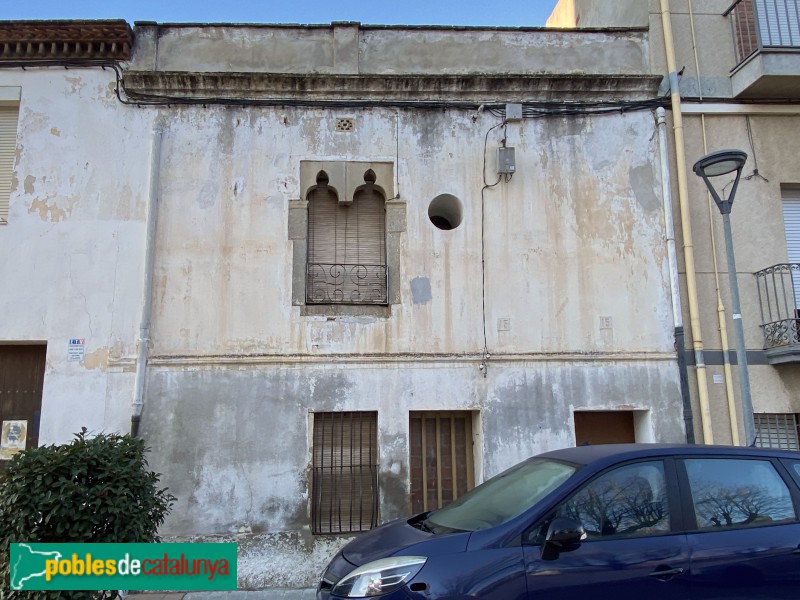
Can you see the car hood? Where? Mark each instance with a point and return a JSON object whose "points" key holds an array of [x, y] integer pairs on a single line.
{"points": [[398, 537]]}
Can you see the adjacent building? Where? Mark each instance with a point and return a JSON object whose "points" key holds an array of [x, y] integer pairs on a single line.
{"points": [[735, 73], [335, 274]]}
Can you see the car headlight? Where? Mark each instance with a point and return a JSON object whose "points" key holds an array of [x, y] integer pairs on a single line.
{"points": [[379, 577]]}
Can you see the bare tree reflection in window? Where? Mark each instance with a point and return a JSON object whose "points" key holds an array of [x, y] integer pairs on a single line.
{"points": [[737, 493], [622, 503]]}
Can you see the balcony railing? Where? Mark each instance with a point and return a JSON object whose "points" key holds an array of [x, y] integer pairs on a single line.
{"points": [[346, 284], [779, 298], [759, 24]]}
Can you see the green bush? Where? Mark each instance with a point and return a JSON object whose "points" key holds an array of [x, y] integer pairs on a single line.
{"points": [[94, 489]]}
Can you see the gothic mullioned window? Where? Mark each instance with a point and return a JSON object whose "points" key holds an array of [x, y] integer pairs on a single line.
{"points": [[346, 245]]}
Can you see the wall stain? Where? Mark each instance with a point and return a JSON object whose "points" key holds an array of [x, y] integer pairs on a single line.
{"points": [[421, 290], [51, 211], [75, 84], [97, 360], [643, 185]]}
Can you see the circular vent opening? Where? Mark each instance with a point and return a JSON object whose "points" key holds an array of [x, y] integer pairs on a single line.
{"points": [[445, 212]]}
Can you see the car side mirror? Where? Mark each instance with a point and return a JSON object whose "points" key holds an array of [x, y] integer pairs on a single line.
{"points": [[563, 535]]}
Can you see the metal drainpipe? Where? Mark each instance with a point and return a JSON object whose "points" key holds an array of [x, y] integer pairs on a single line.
{"points": [[147, 292], [672, 256], [721, 318], [686, 225]]}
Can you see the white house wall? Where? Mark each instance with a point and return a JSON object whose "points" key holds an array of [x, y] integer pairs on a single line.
{"points": [[575, 265], [576, 235], [74, 242]]}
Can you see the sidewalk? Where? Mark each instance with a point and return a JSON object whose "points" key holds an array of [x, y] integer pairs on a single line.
{"points": [[267, 594]]}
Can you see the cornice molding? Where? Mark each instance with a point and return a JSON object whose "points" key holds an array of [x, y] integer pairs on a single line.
{"points": [[65, 40], [315, 87]]}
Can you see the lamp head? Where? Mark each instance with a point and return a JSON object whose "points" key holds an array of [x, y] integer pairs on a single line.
{"points": [[720, 162]]}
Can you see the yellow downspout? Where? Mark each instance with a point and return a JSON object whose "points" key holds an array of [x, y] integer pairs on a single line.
{"points": [[686, 226], [721, 317]]}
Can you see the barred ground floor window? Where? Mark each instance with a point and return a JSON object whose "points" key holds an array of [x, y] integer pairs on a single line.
{"points": [[344, 494], [777, 430], [441, 458]]}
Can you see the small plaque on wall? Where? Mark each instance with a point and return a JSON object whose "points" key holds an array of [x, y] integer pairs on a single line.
{"points": [[12, 438]]}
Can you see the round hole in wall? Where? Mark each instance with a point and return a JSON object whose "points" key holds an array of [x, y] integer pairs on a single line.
{"points": [[445, 211]]}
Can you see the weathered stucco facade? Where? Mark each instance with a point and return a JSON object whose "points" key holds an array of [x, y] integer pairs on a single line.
{"points": [[549, 297]]}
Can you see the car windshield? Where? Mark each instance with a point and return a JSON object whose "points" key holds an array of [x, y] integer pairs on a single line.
{"points": [[502, 497]]}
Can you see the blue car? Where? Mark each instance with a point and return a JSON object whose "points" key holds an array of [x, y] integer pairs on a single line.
{"points": [[628, 521]]}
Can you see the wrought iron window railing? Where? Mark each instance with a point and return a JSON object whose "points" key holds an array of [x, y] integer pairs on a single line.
{"points": [[346, 284], [759, 24], [779, 297]]}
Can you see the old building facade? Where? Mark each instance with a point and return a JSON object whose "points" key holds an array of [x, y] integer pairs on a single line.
{"points": [[335, 274], [735, 68]]}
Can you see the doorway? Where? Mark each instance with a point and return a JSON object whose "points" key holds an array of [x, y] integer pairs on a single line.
{"points": [[21, 379], [604, 427]]}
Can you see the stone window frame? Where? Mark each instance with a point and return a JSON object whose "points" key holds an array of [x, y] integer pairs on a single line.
{"points": [[345, 177]]}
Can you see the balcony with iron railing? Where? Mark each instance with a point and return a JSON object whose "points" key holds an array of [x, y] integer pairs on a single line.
{"points": [[346, 284], [779, 299], [766, 35]]}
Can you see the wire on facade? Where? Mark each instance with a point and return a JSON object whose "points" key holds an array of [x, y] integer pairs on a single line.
{"points": [[755, 172]]}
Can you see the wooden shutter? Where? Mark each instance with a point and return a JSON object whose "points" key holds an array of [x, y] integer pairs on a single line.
{"points": [[8, 148], [346, 234], [322, 231], [346, 248], [345, 472], [366, 244]]}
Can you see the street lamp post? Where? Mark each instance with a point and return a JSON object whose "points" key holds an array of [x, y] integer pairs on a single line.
{"points": [[723, 162]]}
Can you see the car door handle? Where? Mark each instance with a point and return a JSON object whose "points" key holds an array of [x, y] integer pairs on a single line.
{"points": [[666, 574]]}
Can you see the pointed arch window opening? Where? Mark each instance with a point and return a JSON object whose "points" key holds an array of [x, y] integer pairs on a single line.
{"points": [[346, 262]]}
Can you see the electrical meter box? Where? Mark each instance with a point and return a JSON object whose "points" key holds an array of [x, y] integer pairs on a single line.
{"points": [[513, 112], [506, 162]]}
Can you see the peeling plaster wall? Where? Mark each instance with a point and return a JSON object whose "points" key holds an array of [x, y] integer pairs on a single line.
{"points": [[74, 242], [582, 211], [233, 443]]}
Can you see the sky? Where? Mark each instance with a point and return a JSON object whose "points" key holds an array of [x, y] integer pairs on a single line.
{"points": [[516, 13]]}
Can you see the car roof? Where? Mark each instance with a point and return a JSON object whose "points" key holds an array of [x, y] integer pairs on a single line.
{"points": [[612, 453]]}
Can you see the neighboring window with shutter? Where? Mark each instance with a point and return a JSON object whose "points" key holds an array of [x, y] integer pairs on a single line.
{"points": [[777, 430], [344, 494], [8, 144], [346, 245], [791, 223]]}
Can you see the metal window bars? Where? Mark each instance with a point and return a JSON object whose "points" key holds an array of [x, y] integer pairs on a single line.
{"points": [[344, 478], [777, 431]]}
